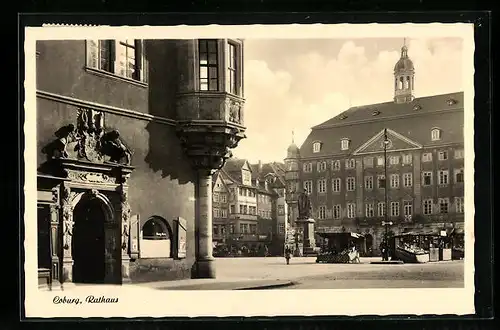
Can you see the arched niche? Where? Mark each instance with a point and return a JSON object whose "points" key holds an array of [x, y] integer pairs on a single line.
{"points": [[156, 239]]}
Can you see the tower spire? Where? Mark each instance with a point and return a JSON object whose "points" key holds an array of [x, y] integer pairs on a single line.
{"points": [[404, 49], [293, 136]]}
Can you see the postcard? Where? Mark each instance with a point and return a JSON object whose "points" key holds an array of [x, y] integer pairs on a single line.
{"points": [[259, 170]]}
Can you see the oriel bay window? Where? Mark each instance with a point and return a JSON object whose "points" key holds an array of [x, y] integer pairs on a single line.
{"points": [[124, 58]]}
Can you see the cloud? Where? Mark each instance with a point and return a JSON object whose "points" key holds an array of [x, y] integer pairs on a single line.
{"points": [[312, 86]]}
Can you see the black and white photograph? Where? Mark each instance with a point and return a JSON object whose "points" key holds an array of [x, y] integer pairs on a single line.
{"points": [[254, 165]]}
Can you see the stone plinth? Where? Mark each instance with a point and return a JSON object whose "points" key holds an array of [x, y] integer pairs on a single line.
{"points": [[308, 240]]}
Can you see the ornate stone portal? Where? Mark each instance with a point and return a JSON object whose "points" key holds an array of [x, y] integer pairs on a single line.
{"points": [[97, 166]]}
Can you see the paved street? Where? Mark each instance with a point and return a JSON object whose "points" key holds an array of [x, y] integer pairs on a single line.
{"points": [[307, 274]]}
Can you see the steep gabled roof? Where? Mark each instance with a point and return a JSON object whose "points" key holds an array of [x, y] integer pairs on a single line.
{"points": [[233, 167], [219, 175]]}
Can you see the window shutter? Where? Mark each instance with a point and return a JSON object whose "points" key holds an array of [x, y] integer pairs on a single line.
{"points": [[145, 64], [138, 73], [92, 53], [135, 228]]}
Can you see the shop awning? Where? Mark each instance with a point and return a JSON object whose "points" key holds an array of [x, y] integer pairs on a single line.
{"points": [[333, 234], [419, 233], [457, 231]]}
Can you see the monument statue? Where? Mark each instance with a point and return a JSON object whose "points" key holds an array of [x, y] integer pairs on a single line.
{"points": [[304, 204]]}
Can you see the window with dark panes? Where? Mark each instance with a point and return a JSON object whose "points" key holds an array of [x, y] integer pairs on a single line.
{"points": [[124, 58], [209, 78], [232, 67]]}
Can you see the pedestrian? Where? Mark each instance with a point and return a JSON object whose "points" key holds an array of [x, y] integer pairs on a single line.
{"points": [[356, 255], [383, 250], [288, 255]]}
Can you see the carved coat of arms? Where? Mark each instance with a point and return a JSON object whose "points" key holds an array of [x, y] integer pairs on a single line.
{"points": [[89, 141]]}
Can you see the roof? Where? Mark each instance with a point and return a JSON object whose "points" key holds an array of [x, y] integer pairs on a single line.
{"points": [[293, 151], [262, 171], [233, 167], [410, 120], [216, 176], [404, 63]]}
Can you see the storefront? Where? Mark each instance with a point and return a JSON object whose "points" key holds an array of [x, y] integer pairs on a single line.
{"points": [[421, 247]]}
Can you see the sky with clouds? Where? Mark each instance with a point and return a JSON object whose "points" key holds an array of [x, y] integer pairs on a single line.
{"points": [[292, 85]]}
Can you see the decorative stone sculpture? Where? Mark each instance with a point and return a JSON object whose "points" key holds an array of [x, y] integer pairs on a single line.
{"points": [[113, 147], [304, 204], [57, 148], [125, 217], [234, 108], [67, 209]]}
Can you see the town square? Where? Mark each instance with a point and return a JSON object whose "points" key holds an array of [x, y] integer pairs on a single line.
{"points": [[240, 163]]}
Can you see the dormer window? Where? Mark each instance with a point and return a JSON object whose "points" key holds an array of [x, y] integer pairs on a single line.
{"points": [[344, 144], [451, 101], [342, 117], [316, 146], [436, 134], [417, 107], [375, 113]]}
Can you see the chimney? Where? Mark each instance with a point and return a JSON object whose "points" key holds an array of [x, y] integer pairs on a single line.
{"points": [[260, 166]]}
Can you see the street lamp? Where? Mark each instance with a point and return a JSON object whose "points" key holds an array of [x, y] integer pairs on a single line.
{"points": [[386, 213], [386, 223]]}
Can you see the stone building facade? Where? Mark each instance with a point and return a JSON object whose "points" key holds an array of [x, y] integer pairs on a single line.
{"points": [[129, 133], [341, 164], [253, 217]]}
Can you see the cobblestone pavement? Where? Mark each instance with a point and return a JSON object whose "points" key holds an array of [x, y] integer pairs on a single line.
{"points": [[307, 274]]}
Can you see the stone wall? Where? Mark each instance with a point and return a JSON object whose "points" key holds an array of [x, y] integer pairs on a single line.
{"points": [[162, 183]]}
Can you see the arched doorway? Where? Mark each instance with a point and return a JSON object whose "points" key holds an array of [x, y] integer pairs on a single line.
{"points": [[88, 244]]}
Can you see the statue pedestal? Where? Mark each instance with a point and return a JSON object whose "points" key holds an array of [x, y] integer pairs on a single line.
{"points": [[309, 243]]}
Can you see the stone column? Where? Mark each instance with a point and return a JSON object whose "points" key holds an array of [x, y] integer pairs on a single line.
{"points": [[67, 234], [54, 242], [209, 126], [125, 232], [205, 267]]}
